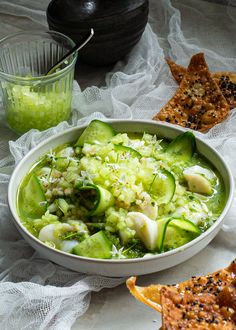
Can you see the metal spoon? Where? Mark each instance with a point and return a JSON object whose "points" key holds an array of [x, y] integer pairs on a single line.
{"points": [[67, 55]]}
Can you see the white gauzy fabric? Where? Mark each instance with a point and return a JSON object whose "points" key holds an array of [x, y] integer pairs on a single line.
{"points": [[37, 294]]}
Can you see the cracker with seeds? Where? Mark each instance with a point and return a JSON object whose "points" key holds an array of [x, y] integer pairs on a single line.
{"points": [[227, 83], [178, 71], [190, 311], [202, 302], [198, 103], [225, 80]]}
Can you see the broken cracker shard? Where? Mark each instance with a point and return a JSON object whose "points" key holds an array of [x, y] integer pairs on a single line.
{"points": [[198, 103], [202, 302], [225, 80]]}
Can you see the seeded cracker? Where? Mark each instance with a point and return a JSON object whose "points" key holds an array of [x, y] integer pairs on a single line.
{"points": [[227, 84], [225, 80], [178, 71], [198, 103], [202, 302], [185, 312]]}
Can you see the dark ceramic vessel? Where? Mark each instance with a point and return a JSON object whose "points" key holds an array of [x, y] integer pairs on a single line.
{"points": [[118, 26]]}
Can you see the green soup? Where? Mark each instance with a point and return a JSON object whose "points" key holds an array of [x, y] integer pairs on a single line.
{"points": [[114, 195]]}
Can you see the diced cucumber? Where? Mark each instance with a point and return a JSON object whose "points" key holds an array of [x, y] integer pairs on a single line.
{"points": [[182, 147], [124, 150], [63, 158], [97, 131], [173, 232], [95, 246], [34, 203], [163, 187], [96, 199]]}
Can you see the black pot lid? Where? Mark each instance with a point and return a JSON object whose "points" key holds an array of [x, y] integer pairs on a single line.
{"points": [[74, 11]]}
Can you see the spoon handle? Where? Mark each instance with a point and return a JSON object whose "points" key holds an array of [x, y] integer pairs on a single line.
{"points": [[67, 55]]}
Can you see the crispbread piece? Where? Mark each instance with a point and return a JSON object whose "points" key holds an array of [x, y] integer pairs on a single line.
{"points": [[198, 304], [178, 71], [149, 295], [190, 311], [227, 84], [198, 103], [225, 80], [202, 302]]}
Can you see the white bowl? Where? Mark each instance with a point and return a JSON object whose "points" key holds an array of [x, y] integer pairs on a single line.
{"points": [[126, 267]]}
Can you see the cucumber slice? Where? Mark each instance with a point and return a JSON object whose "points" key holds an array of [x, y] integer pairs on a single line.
{"points": [[34, 203], [124, 151], [62, 205], [163, 187], [97, 131], [176, 231], [95, 198], [95, 246], [185, 225], [182, 147], [161, 232], [175, 238]]}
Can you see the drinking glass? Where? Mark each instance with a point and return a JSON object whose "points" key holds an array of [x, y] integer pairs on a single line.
{"points": [[32, 99]]}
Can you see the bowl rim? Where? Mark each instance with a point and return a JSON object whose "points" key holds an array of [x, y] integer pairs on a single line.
{"points": [[175, 251]]}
